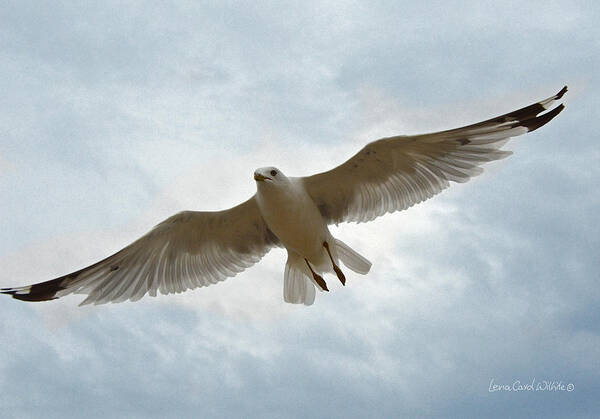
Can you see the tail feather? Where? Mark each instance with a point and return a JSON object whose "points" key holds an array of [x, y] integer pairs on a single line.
{"points": [[297, 286], [351, 258]]}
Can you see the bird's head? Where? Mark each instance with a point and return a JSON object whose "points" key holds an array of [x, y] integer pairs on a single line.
{"points": [[269, 176]]}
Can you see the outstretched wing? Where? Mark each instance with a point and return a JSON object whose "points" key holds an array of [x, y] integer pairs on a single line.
{"points": [[188, 250], [394, 173]]}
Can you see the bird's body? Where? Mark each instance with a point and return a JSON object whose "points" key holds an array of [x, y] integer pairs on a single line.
{"points": [[194, 249], [291, 214]]}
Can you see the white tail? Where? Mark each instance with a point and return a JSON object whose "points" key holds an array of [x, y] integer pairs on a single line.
{"points": [[352, 259], [297, 286]]}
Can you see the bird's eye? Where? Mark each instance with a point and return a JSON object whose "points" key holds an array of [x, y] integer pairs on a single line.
{"points": [[273, 172]]}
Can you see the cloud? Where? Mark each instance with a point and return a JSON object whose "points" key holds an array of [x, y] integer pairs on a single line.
{"points": [[118, 120]]}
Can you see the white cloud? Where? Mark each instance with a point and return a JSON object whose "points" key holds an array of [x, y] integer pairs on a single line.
{"points": [[116, 122]]}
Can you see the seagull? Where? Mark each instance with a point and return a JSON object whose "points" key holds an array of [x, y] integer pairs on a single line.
{"points": [[198, 248]]}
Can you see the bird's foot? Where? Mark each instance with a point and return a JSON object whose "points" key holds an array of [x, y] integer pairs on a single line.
{"points": [[319, 280], [336, 268], [340, 275]]}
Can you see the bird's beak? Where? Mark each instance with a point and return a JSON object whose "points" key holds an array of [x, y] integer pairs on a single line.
{"points": [[260, 178]]}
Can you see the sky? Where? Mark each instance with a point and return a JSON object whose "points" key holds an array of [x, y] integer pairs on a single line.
{"points": [[114, 116]]}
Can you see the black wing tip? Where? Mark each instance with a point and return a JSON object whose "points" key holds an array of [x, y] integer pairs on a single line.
{"points": [[543, 119], [44, 291], [534, 116], [561, 93], [529, 114], [28, 297]]}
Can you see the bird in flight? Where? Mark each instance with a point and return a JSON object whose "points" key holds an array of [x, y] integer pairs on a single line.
{"points": [[196, 248]]}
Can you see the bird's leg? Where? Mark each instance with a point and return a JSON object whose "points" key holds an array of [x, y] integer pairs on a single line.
{"points": [[336, 268], [318, 278]]}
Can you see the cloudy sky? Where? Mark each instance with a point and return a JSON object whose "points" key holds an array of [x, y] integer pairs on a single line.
{"points": [[114, 117]]}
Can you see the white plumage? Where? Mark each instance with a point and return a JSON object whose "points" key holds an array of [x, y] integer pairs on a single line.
{"points": [[194, 249]]}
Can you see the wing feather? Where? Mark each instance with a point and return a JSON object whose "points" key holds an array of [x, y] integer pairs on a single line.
{"points": [[395, 173], [188, 250]]}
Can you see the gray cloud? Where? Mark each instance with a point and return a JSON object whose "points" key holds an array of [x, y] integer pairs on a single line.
{"points": [[111, 115]]}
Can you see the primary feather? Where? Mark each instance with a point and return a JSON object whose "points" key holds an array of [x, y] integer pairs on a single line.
{"points": [[188, 250], [395, 173]]}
